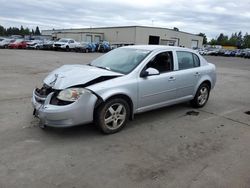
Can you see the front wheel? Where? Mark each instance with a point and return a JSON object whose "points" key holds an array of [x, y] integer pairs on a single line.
{"points": [[201, 96], [67, 48], [112, 116]]}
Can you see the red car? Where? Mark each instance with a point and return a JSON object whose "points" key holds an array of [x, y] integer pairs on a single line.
{"points": [[18, 44]]}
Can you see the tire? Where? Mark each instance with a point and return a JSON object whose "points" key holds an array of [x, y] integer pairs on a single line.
{"points": [[201, 96], [67, 48], [112, 116]]}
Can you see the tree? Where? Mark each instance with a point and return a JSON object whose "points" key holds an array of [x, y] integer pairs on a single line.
{"points": [[239, 42], [246, 41], [2, 31], [22, 30], [27, 31], [204, 37], [222, 40], [37, 31], [213, 42]]}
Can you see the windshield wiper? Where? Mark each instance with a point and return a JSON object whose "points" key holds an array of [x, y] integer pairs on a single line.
{"points": [[106, 68]]}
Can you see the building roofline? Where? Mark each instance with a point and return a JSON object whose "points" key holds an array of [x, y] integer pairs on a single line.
{"points": [[121, 27]]}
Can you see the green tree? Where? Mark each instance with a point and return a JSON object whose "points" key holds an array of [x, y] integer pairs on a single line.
{"points": [[222, 39], [27, 31], [239, 42], [246, 41], [37, 31], [2, 31], [233, 39], [204, 37], [22, 30], [213, 42]]}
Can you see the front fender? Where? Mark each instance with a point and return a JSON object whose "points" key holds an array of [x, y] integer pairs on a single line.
{"points": [[115, 92]]}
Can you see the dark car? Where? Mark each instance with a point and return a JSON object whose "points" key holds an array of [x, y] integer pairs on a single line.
{"points": [[247, 54]]}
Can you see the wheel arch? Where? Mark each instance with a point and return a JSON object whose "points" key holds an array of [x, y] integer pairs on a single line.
{"points": [[208, 83], [125, 97], [206, 80]]}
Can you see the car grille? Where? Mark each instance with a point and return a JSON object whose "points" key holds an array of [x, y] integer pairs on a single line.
{"points": [[42, 93], [57, 45]]}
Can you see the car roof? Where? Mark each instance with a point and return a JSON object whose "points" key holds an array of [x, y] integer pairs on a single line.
{"points": [[157, 47], [66, 39]]}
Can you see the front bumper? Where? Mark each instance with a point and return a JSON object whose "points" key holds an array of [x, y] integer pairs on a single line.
{"points": [[79, 112]]}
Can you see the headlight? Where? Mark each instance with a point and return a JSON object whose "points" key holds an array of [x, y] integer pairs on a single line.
{"points": [[71, 94]]}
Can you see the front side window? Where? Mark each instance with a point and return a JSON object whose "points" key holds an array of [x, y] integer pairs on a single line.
{"points": [[163, 62], [187, 60]]}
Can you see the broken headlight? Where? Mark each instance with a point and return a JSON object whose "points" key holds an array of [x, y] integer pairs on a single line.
{"points": [[71, 94]]}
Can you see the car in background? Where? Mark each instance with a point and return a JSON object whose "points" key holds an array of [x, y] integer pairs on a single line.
{"points": [[36, 45], [18, 44], [104, 47], [230, 53], [125, 81], [4, 43], [85, 47], [214, 52], [247, 54], [48, 45], [221, 52], [65, 44], [1, 39]]}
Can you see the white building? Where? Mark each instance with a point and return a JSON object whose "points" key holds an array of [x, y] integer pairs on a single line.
{"points": [[130, 35]]}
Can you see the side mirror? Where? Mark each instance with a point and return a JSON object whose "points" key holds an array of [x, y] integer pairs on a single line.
{"points": [[149, 72]]}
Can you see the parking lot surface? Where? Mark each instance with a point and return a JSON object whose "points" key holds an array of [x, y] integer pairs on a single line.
{"points": [[176, 146]]}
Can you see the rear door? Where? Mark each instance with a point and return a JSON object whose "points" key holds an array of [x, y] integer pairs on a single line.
{"points": [[188, 74]]}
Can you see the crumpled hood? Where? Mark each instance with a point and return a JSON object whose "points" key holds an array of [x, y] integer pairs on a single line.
{"points": [[71, 75]]}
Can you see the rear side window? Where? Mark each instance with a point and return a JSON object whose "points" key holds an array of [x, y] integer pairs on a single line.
{"points": [[187, 60]]}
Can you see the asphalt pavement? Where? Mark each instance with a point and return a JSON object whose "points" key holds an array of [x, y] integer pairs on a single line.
{"points": [[177, 146]]}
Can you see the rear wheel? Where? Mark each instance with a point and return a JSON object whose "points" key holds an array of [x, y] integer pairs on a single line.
{"points": [[112, 116], [201, 96]]}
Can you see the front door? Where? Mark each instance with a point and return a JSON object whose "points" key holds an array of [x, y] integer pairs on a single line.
{"points": [[157, 90]]}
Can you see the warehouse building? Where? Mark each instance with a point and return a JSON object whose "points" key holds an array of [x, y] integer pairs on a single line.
{"points": [[130, 35]]}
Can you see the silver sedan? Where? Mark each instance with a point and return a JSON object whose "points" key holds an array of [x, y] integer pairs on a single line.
{"points": [[121, 83]]}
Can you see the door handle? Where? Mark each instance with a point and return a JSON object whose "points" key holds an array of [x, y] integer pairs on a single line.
{"points": [[171, 78]]}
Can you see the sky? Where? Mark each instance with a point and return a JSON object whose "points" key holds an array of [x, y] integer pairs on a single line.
{"points": [[211, 17]]}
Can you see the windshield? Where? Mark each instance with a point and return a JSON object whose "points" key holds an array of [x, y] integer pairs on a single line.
{"points": [[63, 40], [18, 40], [122, 60]]}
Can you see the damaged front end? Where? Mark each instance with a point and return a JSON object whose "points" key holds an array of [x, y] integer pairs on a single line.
{"points": [[57, 109], [64, 101]]}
